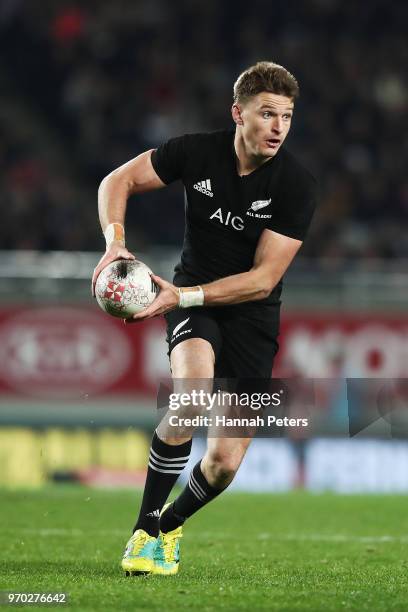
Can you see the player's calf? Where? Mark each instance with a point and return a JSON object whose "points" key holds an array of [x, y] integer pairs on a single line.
{"points": [[166, 462], [219, 469], [197, 493], [222, 460]]}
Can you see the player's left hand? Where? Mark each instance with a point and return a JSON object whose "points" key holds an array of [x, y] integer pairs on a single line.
{"points": [[166, 300]]}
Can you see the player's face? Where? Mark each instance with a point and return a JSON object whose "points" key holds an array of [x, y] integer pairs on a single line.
{"points": [[265, 122]]}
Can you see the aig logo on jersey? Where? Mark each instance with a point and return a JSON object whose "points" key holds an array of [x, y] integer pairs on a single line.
{"points": [[255, 206], [236, 222]]}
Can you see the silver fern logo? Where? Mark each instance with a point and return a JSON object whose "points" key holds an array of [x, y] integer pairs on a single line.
{"points": [[176, 332], [258, 205]]}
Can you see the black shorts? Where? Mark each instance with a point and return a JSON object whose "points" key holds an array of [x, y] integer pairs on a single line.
{"points": [[243, 336]]}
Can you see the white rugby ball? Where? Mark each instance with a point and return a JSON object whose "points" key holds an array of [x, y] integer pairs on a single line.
{"points": [[125, 288]]}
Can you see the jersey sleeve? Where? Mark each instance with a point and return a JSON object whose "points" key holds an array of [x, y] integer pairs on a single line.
{"points": [[295, 206], [169, 159]]}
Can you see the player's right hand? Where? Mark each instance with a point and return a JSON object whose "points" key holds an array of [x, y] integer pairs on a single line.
{"points": [[115, 251]]}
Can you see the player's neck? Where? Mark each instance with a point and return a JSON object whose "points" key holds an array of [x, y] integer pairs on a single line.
{"points": [[246, 161]]}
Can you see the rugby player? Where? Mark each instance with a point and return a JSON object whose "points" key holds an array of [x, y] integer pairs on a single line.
{"points": [[249, 204]]}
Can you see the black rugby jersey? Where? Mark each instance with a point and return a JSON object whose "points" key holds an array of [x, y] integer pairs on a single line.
{"points": [[226, 213]]}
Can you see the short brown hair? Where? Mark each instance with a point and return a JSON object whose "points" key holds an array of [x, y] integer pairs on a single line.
{"points": [[265, 76]]}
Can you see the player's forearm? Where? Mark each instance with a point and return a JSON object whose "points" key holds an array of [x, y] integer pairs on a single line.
{"points": [[273, 255], [256, 284], [113, 194], [136, 176]]}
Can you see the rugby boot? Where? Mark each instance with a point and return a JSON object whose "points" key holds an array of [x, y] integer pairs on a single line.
{"points": [[139, 554], [167, 551]]}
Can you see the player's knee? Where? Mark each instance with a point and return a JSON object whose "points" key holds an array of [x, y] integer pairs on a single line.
{"points": [[180, 424], [193, 359]]}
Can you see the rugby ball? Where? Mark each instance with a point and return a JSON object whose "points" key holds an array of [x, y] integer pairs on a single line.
{"points": [[125, 288]]}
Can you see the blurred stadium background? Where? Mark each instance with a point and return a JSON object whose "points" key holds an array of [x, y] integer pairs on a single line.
{"points": [[87, 86]]}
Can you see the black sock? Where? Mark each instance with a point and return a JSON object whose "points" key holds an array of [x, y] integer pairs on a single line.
{"points": [[166, 462], [196, 494]]}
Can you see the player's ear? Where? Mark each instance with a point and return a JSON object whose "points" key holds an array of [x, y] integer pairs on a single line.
{"points": [[236, 114]]}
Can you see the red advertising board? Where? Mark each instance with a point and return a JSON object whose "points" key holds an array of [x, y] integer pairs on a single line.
{"points": [[345, 344], [73, 353]]}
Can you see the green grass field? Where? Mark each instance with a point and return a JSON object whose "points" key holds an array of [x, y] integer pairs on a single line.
{"points": [[243, 552]]}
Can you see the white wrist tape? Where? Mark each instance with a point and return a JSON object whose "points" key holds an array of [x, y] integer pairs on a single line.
{"points": [[190, 296], [114, 232]]}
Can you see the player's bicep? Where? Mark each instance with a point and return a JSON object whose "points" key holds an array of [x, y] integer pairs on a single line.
{"points": [[139, 174], [274, 253]]}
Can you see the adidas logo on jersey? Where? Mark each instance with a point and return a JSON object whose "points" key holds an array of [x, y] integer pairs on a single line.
{"points": [[204, 187]]}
